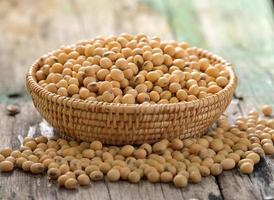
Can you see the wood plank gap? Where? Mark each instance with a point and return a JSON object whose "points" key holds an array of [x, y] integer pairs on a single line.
{"points": [[219, 186], [163, 191], [107, 186], [262, 176]]}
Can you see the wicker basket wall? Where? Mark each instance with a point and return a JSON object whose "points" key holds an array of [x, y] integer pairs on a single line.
{"points": [[118, 124]]}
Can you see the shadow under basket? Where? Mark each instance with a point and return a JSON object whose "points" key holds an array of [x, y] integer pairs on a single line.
{"points": [[119, 124]]}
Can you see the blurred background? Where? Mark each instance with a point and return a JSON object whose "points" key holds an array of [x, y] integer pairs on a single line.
{"points": [[241, 31]]}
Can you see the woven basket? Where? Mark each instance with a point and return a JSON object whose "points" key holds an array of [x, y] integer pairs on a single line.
{"points": [[119, 124]]}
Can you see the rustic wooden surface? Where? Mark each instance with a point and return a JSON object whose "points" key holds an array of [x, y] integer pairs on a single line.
{"points": [[241, 31]]}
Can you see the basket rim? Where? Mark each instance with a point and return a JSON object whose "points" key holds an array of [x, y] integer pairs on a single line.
{"points": [[32, 85]]}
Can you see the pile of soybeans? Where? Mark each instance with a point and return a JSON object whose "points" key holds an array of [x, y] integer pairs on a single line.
{"points": [[131, 69], [136, 69], [178, 161]]}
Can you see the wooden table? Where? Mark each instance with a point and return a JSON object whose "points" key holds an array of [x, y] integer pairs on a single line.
{"points": [[241, 31]]}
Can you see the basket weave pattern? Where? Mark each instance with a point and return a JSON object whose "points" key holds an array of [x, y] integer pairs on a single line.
{"points": [[119, 124]]}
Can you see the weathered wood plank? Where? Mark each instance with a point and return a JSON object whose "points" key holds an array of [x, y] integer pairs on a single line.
{"points": [[235, 186], [26, 35], [185, 22], [29, 117], [20, 185], [6, 123], [143, 190], [182, 19], [246, 39], [104, 190], [262, 177], [258, 185], [207, 189], [30, 185], [239, 42]]}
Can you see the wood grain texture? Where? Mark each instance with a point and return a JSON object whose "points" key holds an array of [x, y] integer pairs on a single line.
{"points": [[234, 186], [246, 39], [182, 19], [225, 186], [38, 187], [26, 35], [262, 178]]}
